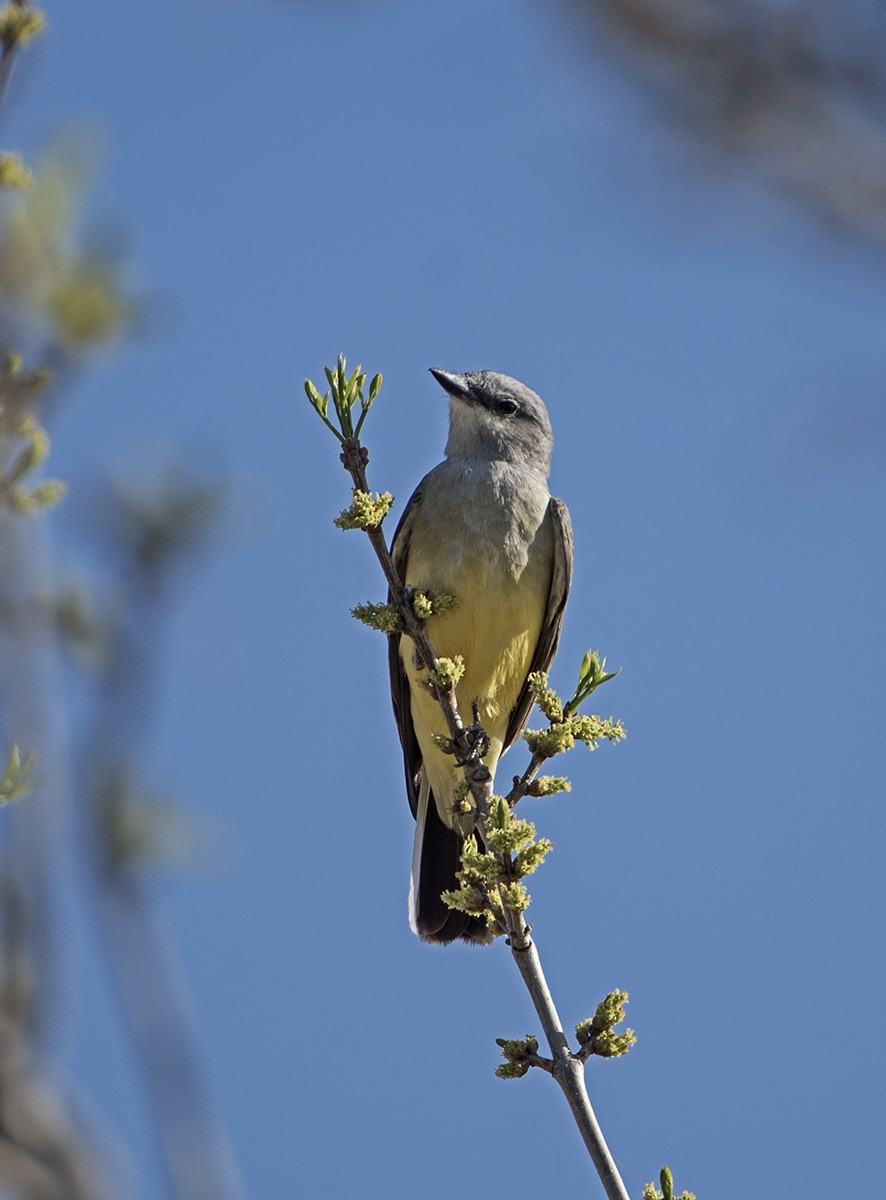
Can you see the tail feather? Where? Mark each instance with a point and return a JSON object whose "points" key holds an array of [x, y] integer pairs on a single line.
{"points": [[436, 859]]}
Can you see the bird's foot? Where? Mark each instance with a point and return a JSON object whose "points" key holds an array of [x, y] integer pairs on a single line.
{"points": [[472, 744]]}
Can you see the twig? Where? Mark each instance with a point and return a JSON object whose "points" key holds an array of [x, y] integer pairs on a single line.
{"points": [[21, 23], [193, 1146], [143, 961], [355, 458], [523, 782], [567, 1068]]}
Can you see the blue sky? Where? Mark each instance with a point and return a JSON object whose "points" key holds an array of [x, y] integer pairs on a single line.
{"points": [[458, 186]]}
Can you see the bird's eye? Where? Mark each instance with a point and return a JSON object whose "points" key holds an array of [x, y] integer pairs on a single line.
{"points": [[506, 408]]}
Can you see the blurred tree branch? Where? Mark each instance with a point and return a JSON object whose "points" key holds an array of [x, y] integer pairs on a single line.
{"points": [[797, 93], [151, 531], [45, 1151], [62, 299]]}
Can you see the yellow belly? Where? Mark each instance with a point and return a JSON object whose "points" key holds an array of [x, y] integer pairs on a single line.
{"points": [[495, 627]]}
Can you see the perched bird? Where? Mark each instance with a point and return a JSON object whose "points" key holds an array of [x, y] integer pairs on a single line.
{"points": [[482, 527]]}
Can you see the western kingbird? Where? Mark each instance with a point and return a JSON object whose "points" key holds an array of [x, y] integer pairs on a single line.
{"points": [[482, 527]]}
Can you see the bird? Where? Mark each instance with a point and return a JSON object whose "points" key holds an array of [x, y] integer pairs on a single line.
{"points": [[482, 527]]}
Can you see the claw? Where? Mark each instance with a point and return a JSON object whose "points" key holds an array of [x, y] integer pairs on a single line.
{"points": [[473, 743]]}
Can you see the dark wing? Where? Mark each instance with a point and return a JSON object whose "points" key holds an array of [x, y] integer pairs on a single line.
{"points": [[399, 683], [440, 846], [561, 580]]}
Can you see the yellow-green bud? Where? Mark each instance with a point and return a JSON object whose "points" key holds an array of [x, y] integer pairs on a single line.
{"points": [[531, 858], [512, 1070], [516, 1052], [320, 403], [667, 1183], [515, 897], [598, 1032], [447, 673], [549, 785], [499, 813], [466, 899], [614, 1045], [365, 512], [610, 1011], [14, 175], [462, 800], [426, 604], [383, 617], [17, 779], [548, 742], [478, 868], [513, 836], [591, 730], [19, 25], [45, 495], [422, 606], [31, 456], [546, 698]]}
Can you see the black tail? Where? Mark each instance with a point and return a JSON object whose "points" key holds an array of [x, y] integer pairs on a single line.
{"points": [[436, 862]]}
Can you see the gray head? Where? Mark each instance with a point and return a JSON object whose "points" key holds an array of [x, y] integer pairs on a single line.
{"points": [[495, 418]]}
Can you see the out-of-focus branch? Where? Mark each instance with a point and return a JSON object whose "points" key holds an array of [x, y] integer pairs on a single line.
{"points": [[193, 1145], [58, 302], [19, 24], [44, 1153], [61, 299], [152, 531], [796, 94]]}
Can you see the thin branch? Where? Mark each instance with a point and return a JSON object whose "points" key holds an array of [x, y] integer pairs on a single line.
{"points": [[21, 24], [45, 1150], [567, 1068], [797, 91], [523, 782], [355, 458], [194, 1148], [7, 59], [144, 964]]}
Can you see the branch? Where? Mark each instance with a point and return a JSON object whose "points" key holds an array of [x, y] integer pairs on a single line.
{"points": [[46, 1147], [151, 530], [468, 741], [19, 24], [568, 1068], [497, 872]]}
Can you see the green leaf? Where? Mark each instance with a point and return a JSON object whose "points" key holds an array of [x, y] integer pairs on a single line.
{"points": [[667, 1184], [32, 455], [18, 778], [14, 175]]}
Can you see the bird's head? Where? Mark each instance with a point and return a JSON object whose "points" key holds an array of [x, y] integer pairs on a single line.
{"points": [[493, 418]]}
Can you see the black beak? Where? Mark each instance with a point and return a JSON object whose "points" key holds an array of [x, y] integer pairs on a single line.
{"points": [[455, 385]]}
